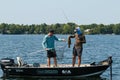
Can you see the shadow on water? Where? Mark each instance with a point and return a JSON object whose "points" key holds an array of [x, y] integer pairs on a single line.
{"points": [[88, 78]]}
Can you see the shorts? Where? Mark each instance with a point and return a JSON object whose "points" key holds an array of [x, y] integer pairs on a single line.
{"points": [[51, 53], [77, 51]]}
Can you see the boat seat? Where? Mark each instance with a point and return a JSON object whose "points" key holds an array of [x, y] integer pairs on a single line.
{"points": [[36, 65], [93, 63]]}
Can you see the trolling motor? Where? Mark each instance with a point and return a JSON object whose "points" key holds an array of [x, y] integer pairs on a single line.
{"points": [[110, 61]]}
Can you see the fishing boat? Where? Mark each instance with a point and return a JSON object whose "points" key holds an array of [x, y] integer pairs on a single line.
{"points": [[12, 69]]}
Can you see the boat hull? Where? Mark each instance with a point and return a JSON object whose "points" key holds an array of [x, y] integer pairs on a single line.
{"points": [[62, 71], [55, 72]]}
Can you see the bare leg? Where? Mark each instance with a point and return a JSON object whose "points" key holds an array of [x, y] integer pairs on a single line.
{"points": [[55, 61], [48, 62], [73, 60], [79, 61]]}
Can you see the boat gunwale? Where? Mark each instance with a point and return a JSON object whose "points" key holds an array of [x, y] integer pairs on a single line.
{"points": [[107, 65]]}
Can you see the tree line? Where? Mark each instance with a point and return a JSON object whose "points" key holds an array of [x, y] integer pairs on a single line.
{"points": [[67, 28]]}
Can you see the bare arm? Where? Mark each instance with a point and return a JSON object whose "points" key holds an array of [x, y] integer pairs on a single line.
{"points": [[84, 39]]}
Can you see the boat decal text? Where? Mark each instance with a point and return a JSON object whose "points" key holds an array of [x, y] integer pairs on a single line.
{"points": [[19, 70], [47, 71], [66, 72]]}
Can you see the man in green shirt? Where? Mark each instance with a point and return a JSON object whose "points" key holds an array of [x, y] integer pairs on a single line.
{"points": [[49, 45]]}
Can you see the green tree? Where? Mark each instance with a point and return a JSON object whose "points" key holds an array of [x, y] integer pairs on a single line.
{"points": [[116, 29]]}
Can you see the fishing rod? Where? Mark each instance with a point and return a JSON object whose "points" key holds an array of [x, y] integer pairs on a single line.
{"points": [[60, 47]]}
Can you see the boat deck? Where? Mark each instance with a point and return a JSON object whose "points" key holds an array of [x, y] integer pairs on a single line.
{"points": [[45, 66], [37, 65], [65, 65], [52, 66]]}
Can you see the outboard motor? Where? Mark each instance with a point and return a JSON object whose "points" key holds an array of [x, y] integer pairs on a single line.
{"points": [[6, 62], [20, 62]]}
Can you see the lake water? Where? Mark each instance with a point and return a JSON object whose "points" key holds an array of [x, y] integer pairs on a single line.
{"points": [[98, 47]]}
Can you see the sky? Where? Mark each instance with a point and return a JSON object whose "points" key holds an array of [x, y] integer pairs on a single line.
{"points": [[60, 11]]}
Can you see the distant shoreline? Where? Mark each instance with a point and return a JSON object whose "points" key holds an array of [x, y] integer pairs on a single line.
{"points": [[58, 34], [68, 28]]}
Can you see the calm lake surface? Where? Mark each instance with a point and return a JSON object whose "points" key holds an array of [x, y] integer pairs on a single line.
{"points": [[98, 47]]}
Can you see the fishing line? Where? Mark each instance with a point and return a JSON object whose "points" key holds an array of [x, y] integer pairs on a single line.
{"points": [[65, 16], [38, 51], [41, 51]]}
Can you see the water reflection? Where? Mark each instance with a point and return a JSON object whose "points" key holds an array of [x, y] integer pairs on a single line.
{"points": [[88, 78]]}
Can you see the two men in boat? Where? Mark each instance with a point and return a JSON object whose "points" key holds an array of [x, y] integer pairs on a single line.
{"points": [[78, 46], [49, 45]]}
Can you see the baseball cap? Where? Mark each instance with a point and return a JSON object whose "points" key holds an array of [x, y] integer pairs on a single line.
{"points": [[52, 31]]}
